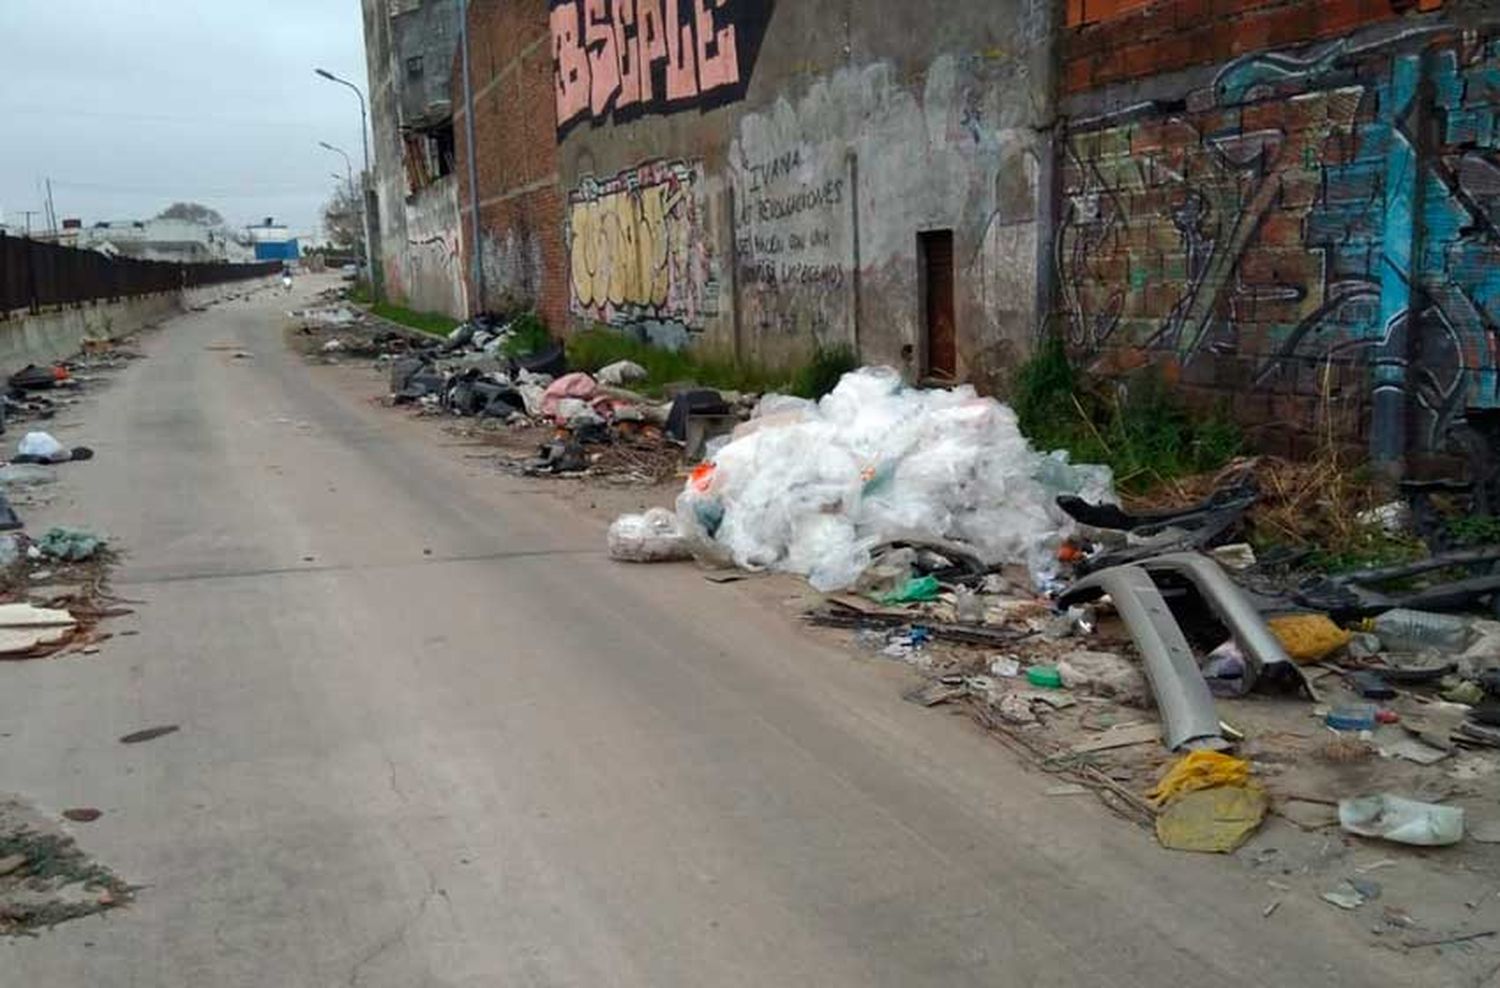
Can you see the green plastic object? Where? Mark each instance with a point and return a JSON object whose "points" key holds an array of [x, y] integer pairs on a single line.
{"points": [[1047, 677], [916, 590], [72, 544]]}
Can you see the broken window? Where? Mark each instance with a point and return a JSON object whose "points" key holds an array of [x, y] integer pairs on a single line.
{"points": [[414, 67]]}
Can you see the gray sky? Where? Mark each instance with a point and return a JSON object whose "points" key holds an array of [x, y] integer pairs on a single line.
{"points": [[128, 105]]}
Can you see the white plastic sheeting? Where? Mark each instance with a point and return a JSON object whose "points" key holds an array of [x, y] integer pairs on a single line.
{"points": [[812, 488]]}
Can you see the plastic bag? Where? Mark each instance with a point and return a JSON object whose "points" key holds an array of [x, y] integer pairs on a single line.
{"points": [[1200, 770], [42, 446], [620, 372], [1405, 821], [814, 488], [649, 538]]}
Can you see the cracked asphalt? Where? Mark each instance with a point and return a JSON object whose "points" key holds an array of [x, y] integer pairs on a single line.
{"points": [[431, 736]]}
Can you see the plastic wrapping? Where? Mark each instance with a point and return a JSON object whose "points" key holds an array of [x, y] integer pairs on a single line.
{"points": [[649, 538], [813, 488]]}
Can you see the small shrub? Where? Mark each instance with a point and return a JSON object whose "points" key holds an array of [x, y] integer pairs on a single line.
{"points": [[528, 335], [819, 376]]}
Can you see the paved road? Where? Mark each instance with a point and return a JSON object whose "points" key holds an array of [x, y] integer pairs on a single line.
{"points": [[432, 736]]}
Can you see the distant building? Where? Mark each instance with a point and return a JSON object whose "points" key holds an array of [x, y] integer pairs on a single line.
{"points": [[179, 241], [272, 241]]}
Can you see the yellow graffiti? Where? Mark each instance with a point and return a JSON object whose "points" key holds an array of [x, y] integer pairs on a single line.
{"points": [[622, 243]]}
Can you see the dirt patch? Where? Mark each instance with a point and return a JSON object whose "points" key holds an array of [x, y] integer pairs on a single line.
{"points": [[45, 878]]}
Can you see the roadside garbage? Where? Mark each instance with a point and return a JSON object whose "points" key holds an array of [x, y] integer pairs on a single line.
{"points": [[1403, 821], [1308, 637], [1044, 677], [1407, 629], [71, 544], [620, 373], [40, 447], [915, 590], [814, 493], [1351, 717], [1005, 666], [1103, 673], [647, 538], [1199, 770], [1344, 895], [1215, 821], [26, 475], [24, 627]]}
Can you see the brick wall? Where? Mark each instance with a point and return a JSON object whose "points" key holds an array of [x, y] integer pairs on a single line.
{"points": [[1290, 208], [521, 204], [1110, 41]]}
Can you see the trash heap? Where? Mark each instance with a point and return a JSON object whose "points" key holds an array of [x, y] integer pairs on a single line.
{"points": [[1154, 657], [817, 488]]}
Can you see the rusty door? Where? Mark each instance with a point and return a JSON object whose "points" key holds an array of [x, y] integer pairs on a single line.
{"points": [[940, 342]]}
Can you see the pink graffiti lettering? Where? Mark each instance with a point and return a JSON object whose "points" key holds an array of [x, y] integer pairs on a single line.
{"points": [[651, 39], [630, 56], [722, 66], [682, 69], [612, 54], [604, 60], [570, 64]]}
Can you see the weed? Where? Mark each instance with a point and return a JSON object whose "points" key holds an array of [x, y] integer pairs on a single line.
{"points": [[821, 374], [1473, 530], [592, 349], [1141, 432], [528, 335], [428, 322]]}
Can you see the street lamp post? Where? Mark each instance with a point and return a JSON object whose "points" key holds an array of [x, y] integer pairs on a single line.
{"points": [[349, 170], [375, 275]]}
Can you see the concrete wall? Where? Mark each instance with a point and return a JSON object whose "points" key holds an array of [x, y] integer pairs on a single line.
{"points": [[754, 175], [1291, 208], [52, 336], [416, 243]]}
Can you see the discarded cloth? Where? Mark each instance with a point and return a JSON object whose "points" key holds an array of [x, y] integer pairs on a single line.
{"points": [[1200, 770], [1212, 820], [72, 544], [1308, 637]]}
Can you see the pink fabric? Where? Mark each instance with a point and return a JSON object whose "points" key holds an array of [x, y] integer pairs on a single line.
{"points": [[575, 385]]}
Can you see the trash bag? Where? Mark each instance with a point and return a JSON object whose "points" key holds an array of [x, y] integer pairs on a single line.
{"points": [[43, 447], [813, 489], [620, 373], [649, 538]]}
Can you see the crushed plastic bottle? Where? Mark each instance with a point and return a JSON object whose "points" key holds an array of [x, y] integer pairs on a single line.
{"points": [[1407, 630]]}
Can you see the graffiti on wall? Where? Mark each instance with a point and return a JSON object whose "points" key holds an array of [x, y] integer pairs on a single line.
{"points": [[620, 59], [1293, 219], [640, 256], [792, 214]]}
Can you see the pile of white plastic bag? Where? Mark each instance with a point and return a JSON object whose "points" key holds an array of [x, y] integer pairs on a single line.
{"points": [[812, 488]]}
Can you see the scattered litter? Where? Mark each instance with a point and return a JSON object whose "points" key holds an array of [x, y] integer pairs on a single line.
{"points": [[149, 734], [1046, 677], [82, 814], [1351, 717], [1120, 736], [1005, 666], [1439, 940], [1308, 637], [1200, 770], [915, 590], [24, 627], [1071, 789], [1404, 821], [647, 538], [1344, 895], [1235, 556], [1103, 673], [1214, 820], [1401, 629], [1266, 912], [620, 373], [71, 544]]}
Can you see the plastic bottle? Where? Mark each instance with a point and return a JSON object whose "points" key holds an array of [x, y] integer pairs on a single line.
{"points": [[1407, 630]]}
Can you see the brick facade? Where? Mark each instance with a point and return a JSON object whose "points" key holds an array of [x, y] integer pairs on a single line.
{"points": [[520, 199], [1290, 208], [1110, 41]]}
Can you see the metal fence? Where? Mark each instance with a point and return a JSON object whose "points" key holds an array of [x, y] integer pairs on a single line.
{"points": [[35, 275]]}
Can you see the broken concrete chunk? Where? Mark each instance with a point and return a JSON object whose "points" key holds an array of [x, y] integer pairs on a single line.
{"points": [[1104, 673]]}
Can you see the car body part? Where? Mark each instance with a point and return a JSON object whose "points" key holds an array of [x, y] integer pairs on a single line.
{"points": [[1189, 719]]}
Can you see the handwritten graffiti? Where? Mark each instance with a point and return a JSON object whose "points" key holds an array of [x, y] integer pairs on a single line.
{"points": [[623, 58], [1294, 221], [638, 248]]}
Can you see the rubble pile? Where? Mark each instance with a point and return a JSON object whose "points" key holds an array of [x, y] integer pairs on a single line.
{"points": [[1152, 655]]}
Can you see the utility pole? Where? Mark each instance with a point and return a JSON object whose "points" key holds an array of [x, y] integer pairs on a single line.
{"points": [[29, 213], [476, 249], [51, 210]]}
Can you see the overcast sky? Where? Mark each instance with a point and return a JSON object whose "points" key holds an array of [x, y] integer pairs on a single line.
{"points": [[129, 105]]}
